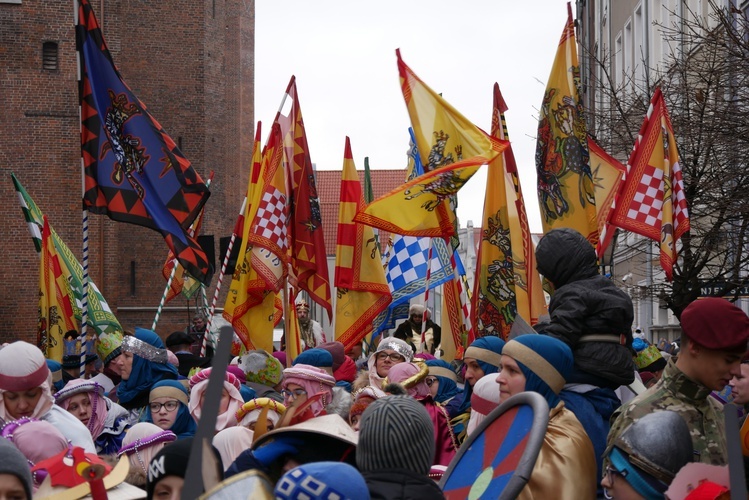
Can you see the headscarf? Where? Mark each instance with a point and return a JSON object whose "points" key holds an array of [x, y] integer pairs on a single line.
{"points": [[95, 394], [23, 367], [184, 425], [250, 411], [484, 351], [411, 377], [232, 441], [37, 440], [484, 399], [545, 361], [394, 344], [448, 387], [149, 365], [261, 368], [198, 385], [313, 380], [141, 442]]}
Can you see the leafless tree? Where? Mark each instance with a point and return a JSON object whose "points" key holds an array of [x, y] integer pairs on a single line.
{"points": [[705, 82]]}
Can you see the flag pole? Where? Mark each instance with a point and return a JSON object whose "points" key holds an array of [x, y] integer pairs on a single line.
{"points": [[84, 214], [224, 264], [426, 294], [175, 263]]}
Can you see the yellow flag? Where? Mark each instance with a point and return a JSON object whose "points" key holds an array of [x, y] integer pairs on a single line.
{"points": [[55, 307], [451, 150], [608, 175], [293, 332], [507, 283], [363, 291], [566, 193]]}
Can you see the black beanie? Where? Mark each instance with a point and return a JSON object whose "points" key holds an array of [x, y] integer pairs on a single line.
{"points": [[172, 461]]}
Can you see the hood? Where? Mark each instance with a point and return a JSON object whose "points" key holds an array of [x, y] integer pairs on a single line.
{"points": [[564, 255]]}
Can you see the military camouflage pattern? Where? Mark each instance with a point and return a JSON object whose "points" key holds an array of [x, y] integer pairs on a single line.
{"points": [[691, 400]]}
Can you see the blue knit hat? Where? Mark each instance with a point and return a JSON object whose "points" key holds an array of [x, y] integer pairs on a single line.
{"points": [[316, 357], [545, 361], [322, 480]]}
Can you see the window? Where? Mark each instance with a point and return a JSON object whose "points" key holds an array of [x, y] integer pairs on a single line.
{"points": [[639, 59], [618, 58], [49, 56]]}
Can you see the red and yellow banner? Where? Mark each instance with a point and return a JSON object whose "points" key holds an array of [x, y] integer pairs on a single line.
{"points": [[363, 292], [309, 262], [566, 192], [652, 202], [507, 283], [451, 150], [56, 315], [608, 175]]}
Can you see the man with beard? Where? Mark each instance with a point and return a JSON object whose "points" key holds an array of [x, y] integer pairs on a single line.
{"points": [[311, 331], [410, 331]]}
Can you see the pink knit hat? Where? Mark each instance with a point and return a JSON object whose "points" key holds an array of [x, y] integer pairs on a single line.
{"points": [[313, 380]]}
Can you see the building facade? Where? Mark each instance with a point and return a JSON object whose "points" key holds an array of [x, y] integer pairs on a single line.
{"points": [[192, 64]]}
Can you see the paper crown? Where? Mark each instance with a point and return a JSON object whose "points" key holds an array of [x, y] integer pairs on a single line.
{"points": [[109, 346], [647, 356]]}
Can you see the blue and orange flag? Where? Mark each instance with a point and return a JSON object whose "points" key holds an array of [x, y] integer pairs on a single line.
{"points": [[133, 171], [566, 192], [362, 290], [652, 202], [451, 148], [56, 314], [309, 262], [507, 284]]}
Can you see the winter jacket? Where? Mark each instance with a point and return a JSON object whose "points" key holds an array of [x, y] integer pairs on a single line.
{"points": [[395, 484], [585, 303]]}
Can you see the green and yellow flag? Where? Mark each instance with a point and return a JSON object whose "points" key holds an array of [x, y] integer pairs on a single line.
{"points": [[362, 290], [566, 192]]}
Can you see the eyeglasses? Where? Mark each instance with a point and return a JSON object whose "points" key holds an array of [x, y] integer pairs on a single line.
{"points": [[169, 405], [395, 357], [293, 394], [431, 380], [610, 473]]}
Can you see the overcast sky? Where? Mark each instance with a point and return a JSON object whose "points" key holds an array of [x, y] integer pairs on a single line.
{"points": [[343, 56]]}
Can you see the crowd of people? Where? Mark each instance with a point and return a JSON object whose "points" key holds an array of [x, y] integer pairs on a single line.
{"points": [[347, 423]]}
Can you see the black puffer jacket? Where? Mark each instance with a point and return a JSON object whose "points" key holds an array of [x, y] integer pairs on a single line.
{"points": [[586, 303], [395, 484]]}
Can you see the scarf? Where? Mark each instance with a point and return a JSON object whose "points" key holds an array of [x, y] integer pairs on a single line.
{"points": [[144, 373]]}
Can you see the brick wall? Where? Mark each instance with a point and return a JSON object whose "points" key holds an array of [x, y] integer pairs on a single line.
{"points": [[192, 64]]}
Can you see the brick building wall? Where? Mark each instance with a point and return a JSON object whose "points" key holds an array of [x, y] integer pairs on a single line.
{"points": [[192, 64]]}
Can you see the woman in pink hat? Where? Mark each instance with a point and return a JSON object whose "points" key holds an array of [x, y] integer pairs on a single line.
{"points": [[231, 399], [306, 382], [25, 391]]}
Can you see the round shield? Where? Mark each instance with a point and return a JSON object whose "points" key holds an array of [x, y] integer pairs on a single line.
{"points": [[496, 461], [251, 484]]}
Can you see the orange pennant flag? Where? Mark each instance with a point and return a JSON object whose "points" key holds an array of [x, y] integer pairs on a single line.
{"points": [[566, 193], [652, 202], [363, 291]]}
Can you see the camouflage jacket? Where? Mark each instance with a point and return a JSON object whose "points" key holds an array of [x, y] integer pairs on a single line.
{"points": [[678, 393]]}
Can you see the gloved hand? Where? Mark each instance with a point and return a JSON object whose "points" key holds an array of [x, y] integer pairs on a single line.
{"points": [[277, 447]]}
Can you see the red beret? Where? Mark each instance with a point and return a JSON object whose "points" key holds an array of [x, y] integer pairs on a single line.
{"points": [[337, 351], [716, 324]]}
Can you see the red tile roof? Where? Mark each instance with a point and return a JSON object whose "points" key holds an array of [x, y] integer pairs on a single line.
{"points": [[329, 191]]}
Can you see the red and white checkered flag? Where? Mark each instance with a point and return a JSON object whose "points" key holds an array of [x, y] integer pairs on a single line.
{"points": [[652, 202]]}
